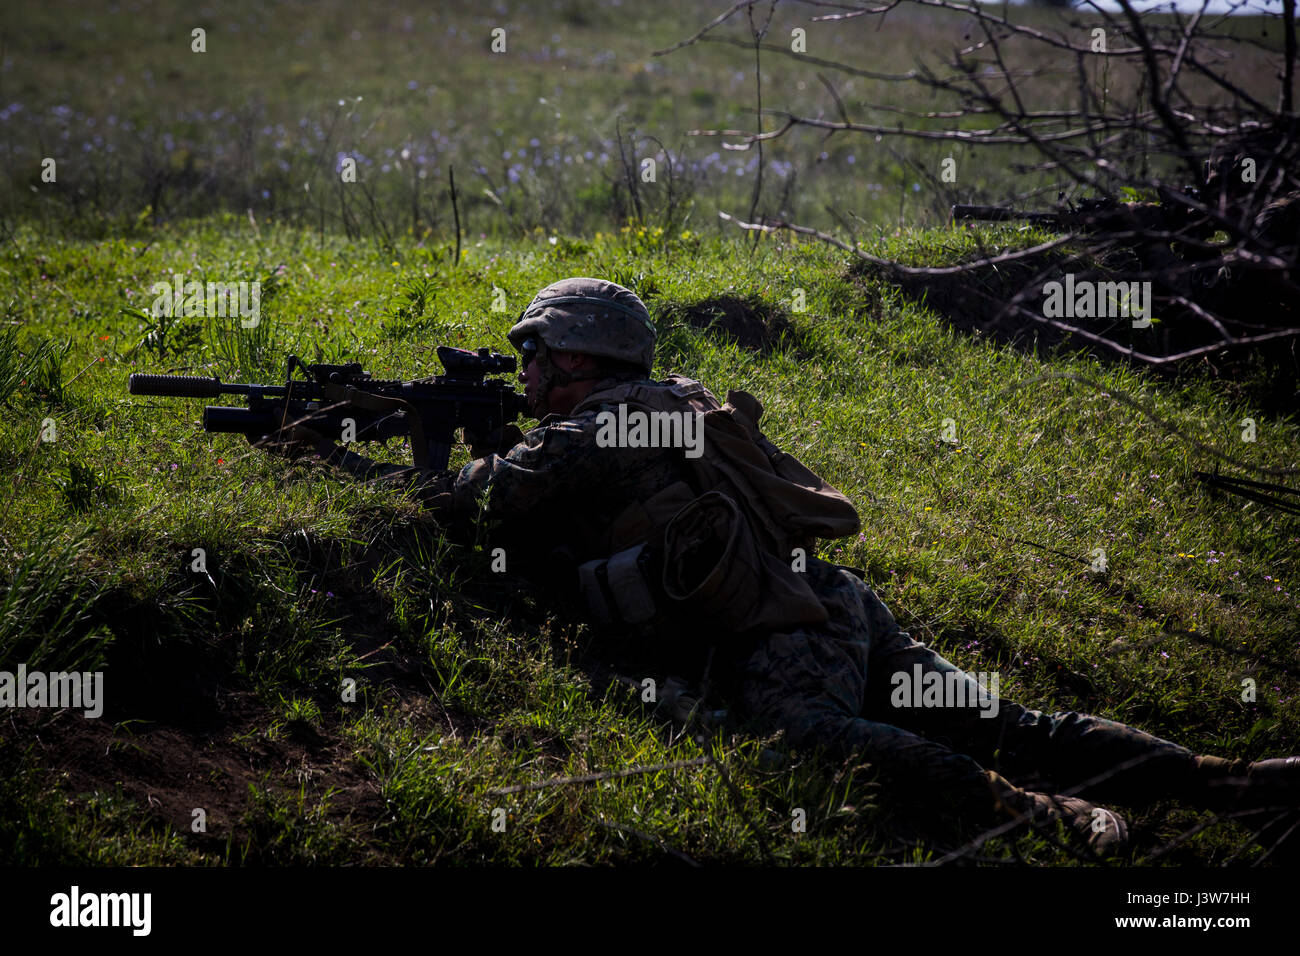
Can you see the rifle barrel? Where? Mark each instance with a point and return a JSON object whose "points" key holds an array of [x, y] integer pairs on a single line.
{"points": [[1001, 214]]}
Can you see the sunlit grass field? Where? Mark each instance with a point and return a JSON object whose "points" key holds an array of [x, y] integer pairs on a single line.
{"points": [[225, 688], [303, 669]]}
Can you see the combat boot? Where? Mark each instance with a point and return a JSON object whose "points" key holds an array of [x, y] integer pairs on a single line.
{"points": [[1221, 784], [1103, 830], [1265, 785]]}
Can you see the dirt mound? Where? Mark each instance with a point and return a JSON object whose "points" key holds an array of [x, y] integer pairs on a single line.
{"points": [[976, 301], [751, 322], [183, 727], [170, 772]]}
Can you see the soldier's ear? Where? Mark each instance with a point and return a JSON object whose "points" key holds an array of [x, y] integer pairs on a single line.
{"points": [[572, 361]]}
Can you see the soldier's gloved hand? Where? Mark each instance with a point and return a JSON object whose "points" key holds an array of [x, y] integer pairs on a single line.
{"points": [[497, 442], [677, 701], [294, 442]]}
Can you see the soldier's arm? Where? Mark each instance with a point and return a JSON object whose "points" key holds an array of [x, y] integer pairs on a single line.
{"points": [[553, 462], [548, 463], [424, 483], [367, 469]]}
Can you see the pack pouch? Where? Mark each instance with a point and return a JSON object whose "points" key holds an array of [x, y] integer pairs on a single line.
{"points": [[725, 553], [617, 590], [787, 503], [713, 571]]}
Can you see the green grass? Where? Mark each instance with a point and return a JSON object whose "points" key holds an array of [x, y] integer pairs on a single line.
{"points": [[467, 684]]}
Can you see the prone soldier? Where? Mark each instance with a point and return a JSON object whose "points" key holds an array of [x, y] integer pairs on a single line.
{"points": [[690, 559]]}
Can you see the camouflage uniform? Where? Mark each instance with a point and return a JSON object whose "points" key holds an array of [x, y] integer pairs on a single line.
{"points": [[827, 685]]}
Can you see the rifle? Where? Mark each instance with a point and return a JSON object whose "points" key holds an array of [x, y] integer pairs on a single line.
{"points": [[1099, 215], [962, 213], [342, 402]]}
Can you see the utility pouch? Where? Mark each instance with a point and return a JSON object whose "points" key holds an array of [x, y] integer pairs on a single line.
{"points": [[711, 562], [616, 589]]}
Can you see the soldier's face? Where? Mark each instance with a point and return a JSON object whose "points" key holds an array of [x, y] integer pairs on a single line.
{"points": [[560, 400], [530, 375]]}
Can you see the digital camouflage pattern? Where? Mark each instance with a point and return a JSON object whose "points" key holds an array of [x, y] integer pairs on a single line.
{"points": [[591, 316], [828, 685], [559, 482], [833, 686]]}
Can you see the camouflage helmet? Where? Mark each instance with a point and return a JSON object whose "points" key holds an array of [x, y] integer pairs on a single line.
{"points": [[591, 316]]}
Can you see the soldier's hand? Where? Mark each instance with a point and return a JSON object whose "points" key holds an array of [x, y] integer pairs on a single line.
{"points": [[294, 441], [497, 442]]}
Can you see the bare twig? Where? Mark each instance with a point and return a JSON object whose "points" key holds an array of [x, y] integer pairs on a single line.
{"points": [[597, 777], [455, 211], [650, 838]]}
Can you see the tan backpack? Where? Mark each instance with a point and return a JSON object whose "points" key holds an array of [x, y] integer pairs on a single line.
{"points": [[728, 544]]}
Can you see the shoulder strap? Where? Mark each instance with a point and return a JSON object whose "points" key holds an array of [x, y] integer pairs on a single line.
{"points": [[675, 393]]}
